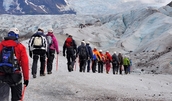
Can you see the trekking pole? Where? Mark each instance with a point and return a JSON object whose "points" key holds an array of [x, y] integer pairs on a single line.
{"points": [[56, 62], [24, 88]]}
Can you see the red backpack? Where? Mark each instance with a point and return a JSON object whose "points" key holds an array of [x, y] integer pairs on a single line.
{"points": [[69, 42]]}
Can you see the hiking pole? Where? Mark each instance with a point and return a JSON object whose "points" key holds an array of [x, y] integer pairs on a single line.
{"points": [[24, 88], [56, 62]]}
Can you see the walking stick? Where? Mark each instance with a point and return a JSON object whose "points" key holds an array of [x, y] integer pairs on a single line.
{"points": [[24, 88], [56, 62]]}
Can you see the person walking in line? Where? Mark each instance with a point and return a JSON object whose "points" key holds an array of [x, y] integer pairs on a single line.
{"points": [[101, 62], [38, 47], [82, 53], [115, 63], [53, 46], [120, 58], [14, 64], [96, 58], [70, 48], [126, 63], [108, 60], [90, 56]]}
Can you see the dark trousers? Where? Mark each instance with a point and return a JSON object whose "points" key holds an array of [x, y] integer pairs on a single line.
{"points": [[70, 62], [88, 65], [100, 67], [115, 68], [50, 60], [12, 81], [126, 69], [120, 69], [94, 64], [36, 56], [82, 65]]}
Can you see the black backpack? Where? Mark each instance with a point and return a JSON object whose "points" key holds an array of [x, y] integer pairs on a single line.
{"points": [[114, 59], [8, 60], [83, 52]]}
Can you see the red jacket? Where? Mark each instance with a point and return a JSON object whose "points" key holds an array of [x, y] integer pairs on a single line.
{"points": [[21, 55]]}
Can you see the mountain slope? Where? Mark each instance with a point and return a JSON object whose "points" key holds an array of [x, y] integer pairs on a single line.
{"points": [[34, 7]]}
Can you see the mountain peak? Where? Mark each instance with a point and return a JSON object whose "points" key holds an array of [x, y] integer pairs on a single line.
{"points": [[34, 7]]}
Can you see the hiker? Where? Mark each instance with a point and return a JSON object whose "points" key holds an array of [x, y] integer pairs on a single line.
{"points": [[38, 48], [90, 56], [101, 62], [115, 63], [126, 64], [11, 73], [70, 48], [108, 59], [53, 46], [129, 68], [82, 53], [96, 58], [120, 58]]}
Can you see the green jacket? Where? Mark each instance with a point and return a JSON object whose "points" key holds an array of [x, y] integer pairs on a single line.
{"points": [[126, 61]]}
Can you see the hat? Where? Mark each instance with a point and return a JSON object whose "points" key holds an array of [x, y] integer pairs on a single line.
{"points": [[50, 30], [87, 42], [40, 30], [15, 30], [83, 42], [100, 50], [115, 52]]}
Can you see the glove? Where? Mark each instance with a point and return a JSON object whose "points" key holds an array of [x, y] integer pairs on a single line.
{"points": [[64, 54], [30, 54], [26, 82]]}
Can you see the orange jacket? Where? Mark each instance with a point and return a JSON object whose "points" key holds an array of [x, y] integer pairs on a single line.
{"points": [[21, 55], [98, 56]]}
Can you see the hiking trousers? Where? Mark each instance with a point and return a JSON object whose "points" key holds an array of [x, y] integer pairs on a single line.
{"points": [[100, 67], [13, 82], [115, 68], [50, 60], [88, 65], [70, 62], [82, 65], [94, 64]]}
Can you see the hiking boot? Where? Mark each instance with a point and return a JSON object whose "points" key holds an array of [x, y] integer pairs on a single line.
{"points": [[49, 73], [34, 75], [42, 74]]}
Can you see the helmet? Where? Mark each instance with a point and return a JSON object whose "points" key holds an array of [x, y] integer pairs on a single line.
{"points": [[50, 30], [100, 50], [14, 30], [87, 42], [115, 52]]}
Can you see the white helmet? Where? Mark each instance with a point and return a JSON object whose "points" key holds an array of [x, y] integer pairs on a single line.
{"points": [[50, 30], [15, 30]]}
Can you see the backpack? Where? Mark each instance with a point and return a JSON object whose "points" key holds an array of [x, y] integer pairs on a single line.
{"points": [[50, 40], [69, 42], [83, 52], [8, 60], [114, 59], [38, 41]]}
